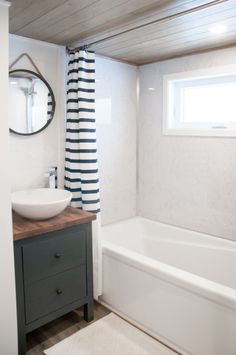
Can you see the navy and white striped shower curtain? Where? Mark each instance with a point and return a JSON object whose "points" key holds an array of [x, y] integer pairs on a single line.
{"points": [[81, 166]]}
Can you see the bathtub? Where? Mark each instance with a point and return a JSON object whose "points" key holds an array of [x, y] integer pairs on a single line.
{"points": [[177, 285]]}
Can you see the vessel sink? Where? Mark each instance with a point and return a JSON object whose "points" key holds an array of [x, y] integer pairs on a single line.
{"points": [[40, 204]]}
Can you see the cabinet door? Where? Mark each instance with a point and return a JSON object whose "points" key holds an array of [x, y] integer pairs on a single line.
{"points": [[46, 296], [53, 253]]}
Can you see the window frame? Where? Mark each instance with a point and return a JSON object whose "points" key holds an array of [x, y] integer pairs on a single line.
{"points": [[169, 103]]}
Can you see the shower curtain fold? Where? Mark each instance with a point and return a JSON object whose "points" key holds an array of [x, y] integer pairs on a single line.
{"points": [[81, 164]]}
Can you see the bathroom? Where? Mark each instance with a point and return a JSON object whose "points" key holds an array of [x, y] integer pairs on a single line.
{"points": [[137, 152]]}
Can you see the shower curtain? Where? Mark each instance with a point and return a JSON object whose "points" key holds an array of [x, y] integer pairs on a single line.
{"points": [[81, 166]]}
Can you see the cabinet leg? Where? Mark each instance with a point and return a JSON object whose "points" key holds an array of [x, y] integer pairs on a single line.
{"points": [[22, 344], [88, 312]]}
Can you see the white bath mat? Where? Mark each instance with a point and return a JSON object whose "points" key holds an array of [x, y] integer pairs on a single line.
{"points": [[110, 335]]}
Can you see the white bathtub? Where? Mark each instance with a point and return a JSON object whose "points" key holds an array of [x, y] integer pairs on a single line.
{"points": [[178, 285]]}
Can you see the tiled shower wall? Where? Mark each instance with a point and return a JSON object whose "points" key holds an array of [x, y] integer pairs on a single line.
{"points": [[184, 181], [116, 131]]}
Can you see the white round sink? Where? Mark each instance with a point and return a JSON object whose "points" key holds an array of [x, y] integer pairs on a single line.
{"points": [[39, 204]]}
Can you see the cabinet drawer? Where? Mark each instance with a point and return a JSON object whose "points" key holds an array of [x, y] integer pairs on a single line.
{"points": [[46, 296], [53, 253]]}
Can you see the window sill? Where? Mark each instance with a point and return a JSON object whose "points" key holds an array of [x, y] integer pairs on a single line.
{"points": [[214, 132]]}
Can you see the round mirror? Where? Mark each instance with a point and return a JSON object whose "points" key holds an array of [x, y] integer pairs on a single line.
{"points": [[32, 102]]}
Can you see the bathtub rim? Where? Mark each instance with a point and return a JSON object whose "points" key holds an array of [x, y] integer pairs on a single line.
{"points": [[208, 237], [203, 287]]}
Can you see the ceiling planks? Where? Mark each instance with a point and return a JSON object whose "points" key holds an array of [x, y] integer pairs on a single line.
{"points": [[71, 19], [123, 15], [27, 11], [174, 28], [84, 21], [172, 39]]}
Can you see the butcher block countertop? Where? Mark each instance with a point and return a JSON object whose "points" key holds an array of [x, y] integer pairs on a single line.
{"points": [[24, 228]]}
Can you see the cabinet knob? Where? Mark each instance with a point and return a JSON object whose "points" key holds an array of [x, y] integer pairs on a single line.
{"points": [[58, 255], [59, 292]]}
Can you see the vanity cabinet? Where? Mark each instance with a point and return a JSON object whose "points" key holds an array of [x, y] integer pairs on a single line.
{"points": [[53, 269]]}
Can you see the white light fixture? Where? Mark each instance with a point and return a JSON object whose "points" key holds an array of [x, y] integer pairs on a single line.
{"points": [[218, 29], [13, 82], [151, 89]]}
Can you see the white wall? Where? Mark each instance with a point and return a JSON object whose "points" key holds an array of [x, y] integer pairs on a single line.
{"points": [[32, 156], [116, 132], [116, 127], [8, 326], [184, 181]]}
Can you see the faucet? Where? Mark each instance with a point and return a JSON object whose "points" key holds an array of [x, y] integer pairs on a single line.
{"points": [[52, 177]]}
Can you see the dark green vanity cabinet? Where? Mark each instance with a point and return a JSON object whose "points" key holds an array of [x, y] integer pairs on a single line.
{"points": [[53, 277]]}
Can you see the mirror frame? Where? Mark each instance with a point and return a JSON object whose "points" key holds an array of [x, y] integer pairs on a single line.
{"points": [[52, 95]]}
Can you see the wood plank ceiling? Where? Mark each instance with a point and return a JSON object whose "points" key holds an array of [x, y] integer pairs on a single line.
{"points": [[77, 22]]}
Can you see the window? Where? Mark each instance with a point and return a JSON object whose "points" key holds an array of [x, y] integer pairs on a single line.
{"points": [[200, 103]]}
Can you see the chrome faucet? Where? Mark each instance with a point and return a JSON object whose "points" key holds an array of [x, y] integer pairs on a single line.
{"points": [[52, 177]]}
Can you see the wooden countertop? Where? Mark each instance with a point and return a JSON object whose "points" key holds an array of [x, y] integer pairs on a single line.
{"points": [[24, 228]]}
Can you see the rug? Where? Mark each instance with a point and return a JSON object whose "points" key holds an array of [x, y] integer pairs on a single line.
{"points": [[110, 335]]}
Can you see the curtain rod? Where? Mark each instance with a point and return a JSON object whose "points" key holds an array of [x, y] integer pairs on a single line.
{"points": [[161, 20]]}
